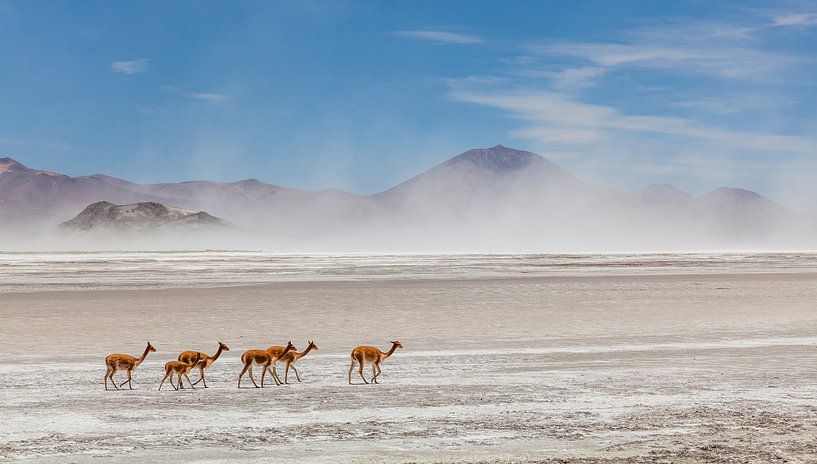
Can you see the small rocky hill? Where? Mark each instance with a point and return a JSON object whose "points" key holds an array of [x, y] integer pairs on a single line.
{"points": [[141, 216]]}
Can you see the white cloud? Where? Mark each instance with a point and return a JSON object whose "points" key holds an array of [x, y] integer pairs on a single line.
{"points": [[130, 67], [559, 135], [207, 96], [708, 105], [211, 97], [720, 61], [729, 103], [567, 79], [714, 49], [554, 118], [439, 37], [797, 20]]}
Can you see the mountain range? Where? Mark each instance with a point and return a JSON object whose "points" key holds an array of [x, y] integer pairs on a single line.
{"points": [[490, 198]]}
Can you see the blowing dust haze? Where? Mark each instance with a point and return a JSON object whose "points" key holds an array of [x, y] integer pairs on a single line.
{"points": [[485, 200]]}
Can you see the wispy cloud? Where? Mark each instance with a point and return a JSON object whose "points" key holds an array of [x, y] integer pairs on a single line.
{"points": [[554, 118], [708, 105], [130, 67], [212, 97], [442, 37], [713, 49], [732, 103], [567, 79], [721, 61], [207, 96], [795, 20]]}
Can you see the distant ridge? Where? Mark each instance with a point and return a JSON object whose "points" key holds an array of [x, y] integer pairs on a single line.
{"points": [[495, 195]]}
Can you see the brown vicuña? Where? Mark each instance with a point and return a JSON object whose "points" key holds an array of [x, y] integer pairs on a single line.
{"points": [[180, 368], [116, 362], [372, 355], [204, 362], [264, 358], [292, 357]]}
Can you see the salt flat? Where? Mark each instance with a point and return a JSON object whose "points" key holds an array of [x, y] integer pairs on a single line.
{"points": [[706, 364]]}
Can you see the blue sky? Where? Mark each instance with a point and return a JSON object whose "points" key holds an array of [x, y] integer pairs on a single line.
{"points": [[361, 95]]}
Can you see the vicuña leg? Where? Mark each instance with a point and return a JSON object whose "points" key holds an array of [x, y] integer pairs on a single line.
{"points": [[252, 377], [113, 371], [286, 373], [247, 367], [167, 374], [130, 372], [201, 378], [350, 371], [360, 371], [264, 374], [275, 375]]}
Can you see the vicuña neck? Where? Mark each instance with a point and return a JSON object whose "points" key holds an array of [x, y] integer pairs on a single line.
{"points": [[393, 347], [304, 352], [144, 355], [218, 352], [286, 350]]}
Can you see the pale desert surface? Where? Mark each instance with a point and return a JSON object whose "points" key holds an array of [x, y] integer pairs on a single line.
{"points": [[662, 358]]}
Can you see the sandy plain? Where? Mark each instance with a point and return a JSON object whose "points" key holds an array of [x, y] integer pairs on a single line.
{"points": [[710, 367]]}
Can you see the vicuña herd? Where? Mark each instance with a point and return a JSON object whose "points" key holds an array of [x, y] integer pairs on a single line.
{"points": [[267, 359]]}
